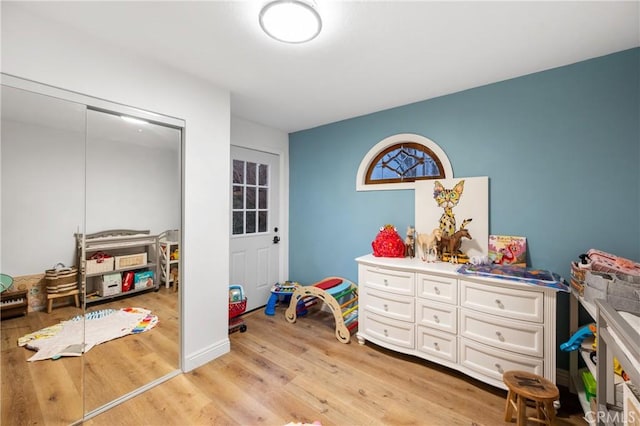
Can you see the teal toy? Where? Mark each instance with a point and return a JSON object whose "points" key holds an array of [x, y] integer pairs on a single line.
{"points": [[6, 281], [574, 343]]}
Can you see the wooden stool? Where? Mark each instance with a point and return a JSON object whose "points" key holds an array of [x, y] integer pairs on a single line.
{"points": [[51, 296], [525, 386], [175, 275]]}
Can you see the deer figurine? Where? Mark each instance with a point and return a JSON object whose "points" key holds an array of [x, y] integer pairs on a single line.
{"points": [[454, 242]]}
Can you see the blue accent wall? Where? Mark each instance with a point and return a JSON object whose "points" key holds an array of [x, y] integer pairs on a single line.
{"points": [[561, 149]]}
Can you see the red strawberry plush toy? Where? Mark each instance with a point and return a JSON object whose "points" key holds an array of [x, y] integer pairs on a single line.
{"points": [[388, 243]]}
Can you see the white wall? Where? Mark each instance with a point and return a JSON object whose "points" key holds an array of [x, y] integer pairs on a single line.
{"points": [[43, 184], [36, 49], [113, 202], [248, 134], [42, 195]]}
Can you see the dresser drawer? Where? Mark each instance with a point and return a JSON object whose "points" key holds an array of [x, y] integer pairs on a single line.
{"points": [[398, 333], [517, 336], [389, 305], [436, 343], [437, 315], [492, 362], [503, 301], [398, 282], [440, 289]]}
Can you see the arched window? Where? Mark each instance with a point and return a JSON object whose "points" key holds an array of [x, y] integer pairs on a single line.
{"points": [[404, 162], [398, 161]]}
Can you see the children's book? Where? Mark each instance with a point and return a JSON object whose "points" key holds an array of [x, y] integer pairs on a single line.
{"points": [[508, 250]]}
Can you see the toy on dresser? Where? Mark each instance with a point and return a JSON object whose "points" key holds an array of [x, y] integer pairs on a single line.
{"points": [[427, 245], [410, 242], [388, 243]]}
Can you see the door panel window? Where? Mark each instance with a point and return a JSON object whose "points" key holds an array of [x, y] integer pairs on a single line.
{"points": [[250, 189]]}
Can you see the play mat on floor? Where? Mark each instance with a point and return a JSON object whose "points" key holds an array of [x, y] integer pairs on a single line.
{"points": [[66, 337], [539, 277]]}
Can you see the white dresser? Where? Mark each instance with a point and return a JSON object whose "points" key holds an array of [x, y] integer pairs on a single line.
{"points": [[479, 326]]}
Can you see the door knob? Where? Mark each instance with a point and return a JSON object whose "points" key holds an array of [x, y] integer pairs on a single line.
{"points": [[276, 239]]}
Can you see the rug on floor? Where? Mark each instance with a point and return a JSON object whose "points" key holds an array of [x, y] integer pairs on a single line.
{"points": [[75, 336]]}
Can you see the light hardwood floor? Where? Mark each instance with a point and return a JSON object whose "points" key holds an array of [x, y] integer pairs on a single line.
{"points": [[277, 373], [56, 392]]}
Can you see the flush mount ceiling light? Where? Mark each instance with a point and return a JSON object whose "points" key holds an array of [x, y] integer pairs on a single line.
{"points": [[290, 21]]}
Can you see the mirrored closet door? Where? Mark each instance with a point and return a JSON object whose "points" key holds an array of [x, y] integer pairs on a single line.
{"points": [[83, 187], [132, 192], [43, 198]]}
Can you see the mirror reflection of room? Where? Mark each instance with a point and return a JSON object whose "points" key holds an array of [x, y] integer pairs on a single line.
{"points": [[43, 141], [131, 250], [71, 341]]}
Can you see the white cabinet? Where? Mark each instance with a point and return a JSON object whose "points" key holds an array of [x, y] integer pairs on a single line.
{"points": [[438, 316], [169, 256], [479, 326], [435, 343]]}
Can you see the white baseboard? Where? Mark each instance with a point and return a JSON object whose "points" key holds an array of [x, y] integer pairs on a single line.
{"points": [[207, 354]]}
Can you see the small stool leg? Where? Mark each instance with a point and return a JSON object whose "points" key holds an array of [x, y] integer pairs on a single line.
{"points": [[522, 411], [49, 305], [77, 300], [540, 411], [508, 409], [551, 412]]}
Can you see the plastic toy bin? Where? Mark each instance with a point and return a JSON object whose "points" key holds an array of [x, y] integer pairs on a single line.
{"points": [[237, 308]]}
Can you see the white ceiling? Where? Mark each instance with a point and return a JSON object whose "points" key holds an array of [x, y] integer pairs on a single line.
{"points": [[370, 56]]}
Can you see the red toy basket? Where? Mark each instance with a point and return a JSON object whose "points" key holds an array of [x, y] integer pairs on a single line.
{"points": [[237, 308]]}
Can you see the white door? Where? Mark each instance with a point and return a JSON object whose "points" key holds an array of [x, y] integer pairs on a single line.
{"points": [[254, 248]]}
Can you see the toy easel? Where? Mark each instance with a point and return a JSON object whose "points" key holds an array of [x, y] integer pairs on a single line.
{"points": [[330, 291]]}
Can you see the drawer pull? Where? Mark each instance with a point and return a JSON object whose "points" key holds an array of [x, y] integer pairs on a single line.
{"points": [[435, 345], [500, 336], [386, 333], [386, 283], [499, 303], [436, 319], [386, 307], [436, 290], [499, 368]]}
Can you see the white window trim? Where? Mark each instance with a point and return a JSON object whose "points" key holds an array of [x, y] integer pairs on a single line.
{"points": [[392, 140]]}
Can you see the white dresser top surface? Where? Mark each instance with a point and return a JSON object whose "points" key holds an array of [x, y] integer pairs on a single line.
{"points": [[445, 268], [410, 263]]}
